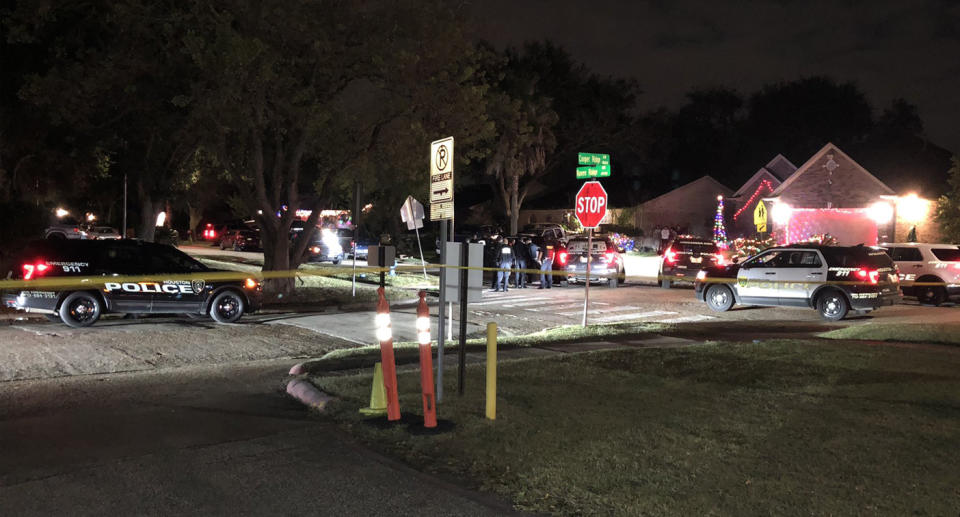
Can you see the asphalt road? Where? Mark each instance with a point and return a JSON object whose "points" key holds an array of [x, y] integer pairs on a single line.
{"points": [[197, 441]]}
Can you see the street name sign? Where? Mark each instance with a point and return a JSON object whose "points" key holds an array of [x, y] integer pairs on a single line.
{"points": [[591, 204], [593, 165], [441, 179]]}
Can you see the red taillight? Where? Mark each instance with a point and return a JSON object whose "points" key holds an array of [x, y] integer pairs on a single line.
{"points": [[868, 275], [670, 256], [611, 257], [720, 260], [32, 270], [76, 230], [562, 257]]}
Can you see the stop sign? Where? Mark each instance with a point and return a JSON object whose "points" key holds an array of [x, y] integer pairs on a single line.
{"points": [[591, 204]]}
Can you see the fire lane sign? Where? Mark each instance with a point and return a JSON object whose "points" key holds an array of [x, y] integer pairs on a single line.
{"points": [[441, 179]]}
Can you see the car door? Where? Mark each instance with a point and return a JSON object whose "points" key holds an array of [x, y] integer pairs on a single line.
{"points": [[757, 279], [910, 262], [175, 291], [800, 273], [123, 265]]}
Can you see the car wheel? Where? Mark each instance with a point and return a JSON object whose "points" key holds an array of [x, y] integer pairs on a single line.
{"points": [[227, 307], [932, 295], [53, 317], [832, 305], [719, 298], [80, 309]]}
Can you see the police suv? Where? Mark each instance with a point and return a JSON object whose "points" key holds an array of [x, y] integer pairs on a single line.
{"points": [[76, 281], [831, 279], [931, 272]]}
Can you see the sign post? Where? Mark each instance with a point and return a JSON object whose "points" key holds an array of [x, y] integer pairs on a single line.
{"points": [[441, 209], [591, 207], [412, 213]]}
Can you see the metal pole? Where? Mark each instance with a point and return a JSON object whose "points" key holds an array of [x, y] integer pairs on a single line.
{"points": [[123, 232], [464, 254], [383, 260], [586, 290], [422, 262], [491, 371], [441, 330], [356, 231]]}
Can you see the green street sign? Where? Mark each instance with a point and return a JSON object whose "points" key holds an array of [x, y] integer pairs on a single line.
{"points": [[587, 173], [593, 165]]}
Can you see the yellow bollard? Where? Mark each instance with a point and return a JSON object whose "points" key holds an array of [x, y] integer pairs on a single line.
{"points": [[492, 371]]}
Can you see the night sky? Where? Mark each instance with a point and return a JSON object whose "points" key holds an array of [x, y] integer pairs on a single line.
{"points": [[891, 49]]}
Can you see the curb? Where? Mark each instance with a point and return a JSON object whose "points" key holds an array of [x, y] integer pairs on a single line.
{"points": [[308, 394]]}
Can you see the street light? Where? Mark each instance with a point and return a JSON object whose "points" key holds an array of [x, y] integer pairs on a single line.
{"points": [[781, 213], [881, 212], [913, 209]]}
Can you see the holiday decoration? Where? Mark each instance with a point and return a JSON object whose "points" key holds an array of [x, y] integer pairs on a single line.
{"points": [[719, 231], [764, 185]]}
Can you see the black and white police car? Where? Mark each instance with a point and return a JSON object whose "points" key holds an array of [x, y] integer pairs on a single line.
{"points": [[831, 279], [76, 281], [931, 272]]}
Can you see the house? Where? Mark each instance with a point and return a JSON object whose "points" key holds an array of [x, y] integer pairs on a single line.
{"points": [[833, 194], [690, 208], [743, 202]]}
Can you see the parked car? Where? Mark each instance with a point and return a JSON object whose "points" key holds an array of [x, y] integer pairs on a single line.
{"points": [[935, 267], [65, 228], [241, 240], [325, 247], [833, 280], [103, 233], [156, 278], [685, 257], [604, 259]]}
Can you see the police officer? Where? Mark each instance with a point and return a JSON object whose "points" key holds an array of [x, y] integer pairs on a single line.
{"points": [[546, 267], [505, 262], [520, 262], [533, 255]]}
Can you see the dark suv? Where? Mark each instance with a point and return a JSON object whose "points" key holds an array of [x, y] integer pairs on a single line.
{"points": [[76, 281], [685, 257], [831, 279]]}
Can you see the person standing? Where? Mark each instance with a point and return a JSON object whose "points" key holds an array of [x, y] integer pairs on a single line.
{"points": [[546, 267], [504, 264], [664, 239], [533, 255], [520, 263]]}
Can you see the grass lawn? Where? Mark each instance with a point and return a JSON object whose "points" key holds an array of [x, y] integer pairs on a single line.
{"points": [[782, 427], [943, 333], [364, 356]]}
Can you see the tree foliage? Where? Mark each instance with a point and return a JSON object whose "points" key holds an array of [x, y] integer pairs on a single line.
{"points": [[948, 206]]}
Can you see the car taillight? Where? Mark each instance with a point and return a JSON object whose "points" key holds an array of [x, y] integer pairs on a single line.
{"points": [[611, 257], [315, 249], [868, 275], [720, 261], [670, 256], [76, 230], [32, 270], [562, 257]]}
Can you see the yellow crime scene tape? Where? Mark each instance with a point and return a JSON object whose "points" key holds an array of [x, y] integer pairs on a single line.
{"points": [[88, 282]]}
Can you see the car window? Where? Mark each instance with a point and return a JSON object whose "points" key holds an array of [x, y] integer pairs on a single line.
{"points": [[163, 259], [946, 254], [695, 247], [906, 254], [768, 259], [800, 258], [120, 260]]}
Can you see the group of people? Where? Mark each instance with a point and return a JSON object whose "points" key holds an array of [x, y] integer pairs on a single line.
{"points": [[666, 234], [514, 256]]}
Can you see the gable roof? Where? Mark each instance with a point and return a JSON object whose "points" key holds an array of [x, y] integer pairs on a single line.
{"points": [[762, 174], [780, 167], [722, 189], [806, 167]]}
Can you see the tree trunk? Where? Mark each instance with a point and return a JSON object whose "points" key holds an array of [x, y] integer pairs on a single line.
{"points": [[514, 204], [196, 214]]}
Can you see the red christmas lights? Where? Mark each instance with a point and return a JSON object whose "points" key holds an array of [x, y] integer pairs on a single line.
{"points": [[764, 183]]}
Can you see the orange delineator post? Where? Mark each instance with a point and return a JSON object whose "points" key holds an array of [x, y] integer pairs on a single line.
{"points": [[426, 363], [385, 335]]}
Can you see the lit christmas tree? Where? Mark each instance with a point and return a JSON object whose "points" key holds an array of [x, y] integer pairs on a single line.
{"points": [[719, 231]]}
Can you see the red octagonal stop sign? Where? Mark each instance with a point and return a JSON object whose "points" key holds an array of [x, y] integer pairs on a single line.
{"points": [[591, 204]]}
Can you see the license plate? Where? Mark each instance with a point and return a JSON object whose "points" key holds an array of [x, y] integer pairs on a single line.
{"points": [[696, 260], [583, 260]]}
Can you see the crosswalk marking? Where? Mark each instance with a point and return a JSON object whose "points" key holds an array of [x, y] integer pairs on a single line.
{"points": [[634, 316]]}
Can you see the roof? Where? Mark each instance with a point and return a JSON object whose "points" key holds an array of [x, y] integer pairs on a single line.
{"points": [[761, 174], [806, 167], [723, 189], [780, 167]]}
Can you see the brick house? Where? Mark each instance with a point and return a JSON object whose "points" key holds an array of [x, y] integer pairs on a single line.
{"points": [[832, 194], [740, 206]]}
